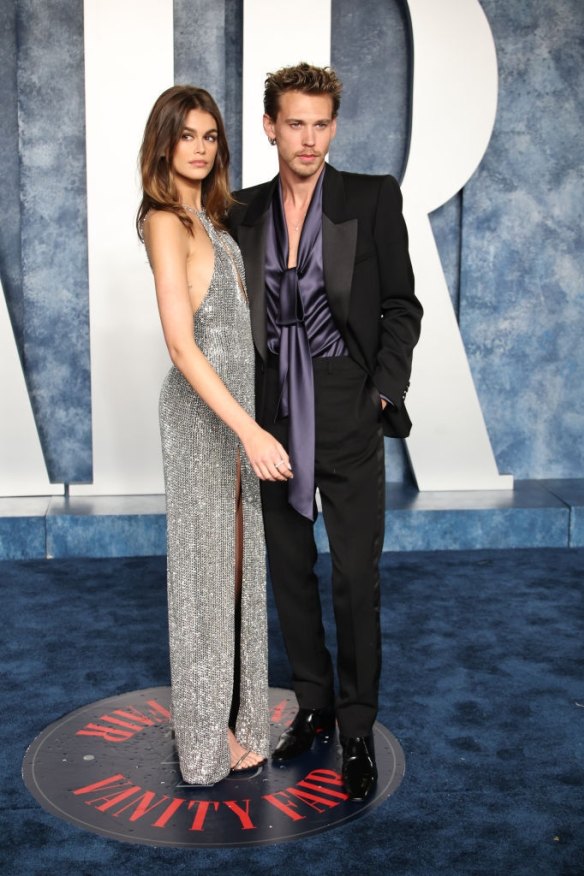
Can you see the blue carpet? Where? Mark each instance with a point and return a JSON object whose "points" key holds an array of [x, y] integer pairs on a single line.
{"points": [[482, 684]]}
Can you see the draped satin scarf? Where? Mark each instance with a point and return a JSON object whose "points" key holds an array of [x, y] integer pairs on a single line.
{"points": [[295, 355]]}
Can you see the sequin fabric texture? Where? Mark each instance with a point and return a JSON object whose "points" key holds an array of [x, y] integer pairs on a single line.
{"points": [[199, 455]]}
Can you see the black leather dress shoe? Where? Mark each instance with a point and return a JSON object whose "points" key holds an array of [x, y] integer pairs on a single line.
{"points": [[359, 770], [301, 733]]}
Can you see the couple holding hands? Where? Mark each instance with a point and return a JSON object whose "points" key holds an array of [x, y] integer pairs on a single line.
{"points": [[289, 313]]}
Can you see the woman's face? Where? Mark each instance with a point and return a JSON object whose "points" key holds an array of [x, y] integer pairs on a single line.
{"points": [[195, 153]]}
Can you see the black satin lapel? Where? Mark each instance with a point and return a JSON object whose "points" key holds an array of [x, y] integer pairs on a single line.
{"points": [[339, 242], [252, 241]]}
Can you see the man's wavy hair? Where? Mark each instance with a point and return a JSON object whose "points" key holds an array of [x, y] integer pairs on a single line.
{"points": [[305, 78], [164, 129]]}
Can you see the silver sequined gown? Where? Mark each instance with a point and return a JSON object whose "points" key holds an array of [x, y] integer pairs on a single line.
{"points": [[199, 455]]}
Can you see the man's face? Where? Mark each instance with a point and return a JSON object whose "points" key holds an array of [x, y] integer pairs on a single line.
{"points": [[304, 128]]}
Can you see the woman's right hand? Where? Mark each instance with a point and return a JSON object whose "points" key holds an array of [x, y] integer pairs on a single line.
{"points": [[267, 457]]}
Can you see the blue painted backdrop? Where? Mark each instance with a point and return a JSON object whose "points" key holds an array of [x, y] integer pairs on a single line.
{"points": [[511, 241], [43, 234]]}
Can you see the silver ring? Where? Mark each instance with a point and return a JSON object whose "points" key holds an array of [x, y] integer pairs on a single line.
{"points": [[278, 464]]}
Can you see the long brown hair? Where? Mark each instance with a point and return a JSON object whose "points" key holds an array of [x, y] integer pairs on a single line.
{"points": [[163, 131]]}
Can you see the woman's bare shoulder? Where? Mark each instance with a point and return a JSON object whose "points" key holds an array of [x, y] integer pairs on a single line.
{"points": [[163, 229], [162, 221]]}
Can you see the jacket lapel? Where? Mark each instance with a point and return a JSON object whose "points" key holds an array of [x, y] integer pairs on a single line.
{"points": [[339, 243], [252, 242]]}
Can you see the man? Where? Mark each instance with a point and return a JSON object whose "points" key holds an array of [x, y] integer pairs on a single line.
{"points": [[334, 320]]}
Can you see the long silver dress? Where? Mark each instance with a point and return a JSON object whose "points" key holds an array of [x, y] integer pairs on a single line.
{"points": [[200, 457]]}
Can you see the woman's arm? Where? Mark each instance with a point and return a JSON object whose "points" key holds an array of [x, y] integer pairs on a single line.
{"points": [[167, 243]]}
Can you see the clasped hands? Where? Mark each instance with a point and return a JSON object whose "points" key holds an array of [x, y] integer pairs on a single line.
{"points": [[267, 456]]}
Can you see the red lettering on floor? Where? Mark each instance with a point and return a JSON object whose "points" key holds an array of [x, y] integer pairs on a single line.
{"points": [[113, 799], [135, 715], [109, 734], [143, 805], [111, 781], [201, 813], [278, 711], [163, 820], [287, 809], [312, 800], [138, 720], [340, 794], [329, 777], [135, 728], [242, 814], [159, 710]]}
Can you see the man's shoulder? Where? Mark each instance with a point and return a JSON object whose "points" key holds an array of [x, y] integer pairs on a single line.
{"points": [[367, 192], [247, 195], [368, 182], [243, 199]]}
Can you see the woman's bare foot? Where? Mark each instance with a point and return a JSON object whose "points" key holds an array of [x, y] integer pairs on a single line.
{"points": [[240, 757]]}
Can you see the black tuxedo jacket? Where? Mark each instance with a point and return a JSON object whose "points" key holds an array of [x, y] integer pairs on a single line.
{"points": [[368, 277]]}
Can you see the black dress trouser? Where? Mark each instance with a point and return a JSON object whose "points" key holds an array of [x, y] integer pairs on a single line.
{"points": [[350, 475]]}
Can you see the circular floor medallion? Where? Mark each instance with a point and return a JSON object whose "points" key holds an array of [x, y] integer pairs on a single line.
{"points": [[111, 768]]}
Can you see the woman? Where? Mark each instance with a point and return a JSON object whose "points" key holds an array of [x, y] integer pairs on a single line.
{"points": [[216, 569]]}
